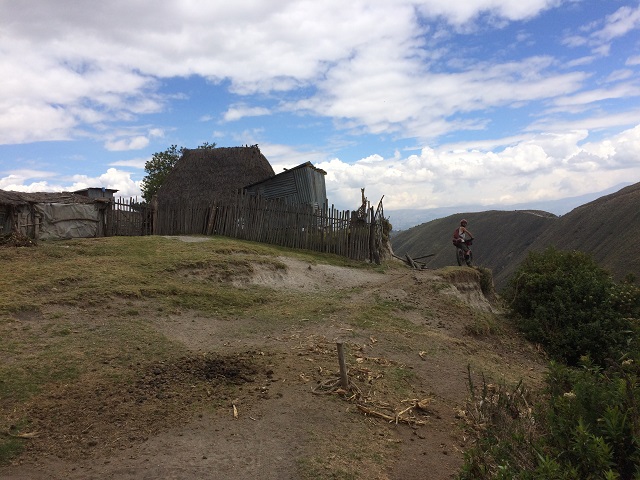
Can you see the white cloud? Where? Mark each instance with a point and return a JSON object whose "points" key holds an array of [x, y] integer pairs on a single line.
{"points": [[112, 178], [285, 156], [134, 143], [599, 35], [544, 167], [74, 64], [421, 104], [23, 122], [463, 12], [134, 163], [623, 21], [627, 90], [240, 111], [594, 122]]}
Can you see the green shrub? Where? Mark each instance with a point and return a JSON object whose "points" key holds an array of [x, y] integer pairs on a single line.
{"points": [[571, 306], [593, 419], [586, 425]]}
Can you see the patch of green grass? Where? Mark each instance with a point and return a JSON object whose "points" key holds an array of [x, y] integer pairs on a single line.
{"points": [[484, 324], [400, 380], [381, 315], [10, 446], [95, 271], [65, 352], [18, 383]]}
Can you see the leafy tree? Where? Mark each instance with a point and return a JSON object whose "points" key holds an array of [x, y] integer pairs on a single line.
{"points": [[159, 166]]}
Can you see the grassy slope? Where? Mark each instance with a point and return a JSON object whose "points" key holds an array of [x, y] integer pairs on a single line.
{"points": [[79, 316]]}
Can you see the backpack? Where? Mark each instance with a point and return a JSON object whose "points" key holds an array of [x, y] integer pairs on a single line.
{"points": [[456, 236]]}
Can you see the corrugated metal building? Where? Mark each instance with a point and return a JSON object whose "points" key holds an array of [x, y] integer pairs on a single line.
{"points": [[97, 192], [301, 185]]}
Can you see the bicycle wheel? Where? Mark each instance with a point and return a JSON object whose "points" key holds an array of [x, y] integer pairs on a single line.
{"points": [[469, 259], [460, 256]]}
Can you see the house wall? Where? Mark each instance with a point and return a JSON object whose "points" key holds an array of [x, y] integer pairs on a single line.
{"points": [[95, 192], [5, 219], [69, 220], [297, 186]]}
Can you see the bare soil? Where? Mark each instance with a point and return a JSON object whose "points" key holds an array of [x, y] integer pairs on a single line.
{"points": [[247, 401]]}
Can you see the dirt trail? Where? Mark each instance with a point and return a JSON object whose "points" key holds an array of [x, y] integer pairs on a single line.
{"points": [[282, 428]]}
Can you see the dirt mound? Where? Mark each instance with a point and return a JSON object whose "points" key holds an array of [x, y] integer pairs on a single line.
{"points": [[310, 277]]}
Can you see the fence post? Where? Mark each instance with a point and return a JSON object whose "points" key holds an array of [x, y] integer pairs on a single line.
{"points": [[344, 378]]}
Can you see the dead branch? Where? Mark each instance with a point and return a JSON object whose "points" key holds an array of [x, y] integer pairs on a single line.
{"points": [[396, 418], [412, 261]]}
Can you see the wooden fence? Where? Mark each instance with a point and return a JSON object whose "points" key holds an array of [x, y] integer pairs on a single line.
{"points": [[128, 217], [354, 234]]}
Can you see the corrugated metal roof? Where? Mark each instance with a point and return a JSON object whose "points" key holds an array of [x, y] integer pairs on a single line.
{"points": [[303, 184]]}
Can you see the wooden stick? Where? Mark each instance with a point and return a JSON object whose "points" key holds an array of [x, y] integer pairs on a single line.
{"points": [[424, 256], [344, 378]]}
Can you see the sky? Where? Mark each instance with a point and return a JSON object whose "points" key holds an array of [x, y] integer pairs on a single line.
{"points": [[428, 104]]}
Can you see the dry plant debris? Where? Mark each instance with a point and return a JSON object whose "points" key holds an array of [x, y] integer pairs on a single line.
{"points": [[364, 401]]}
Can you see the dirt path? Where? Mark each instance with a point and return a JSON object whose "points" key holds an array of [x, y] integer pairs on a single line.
{"points": [[282, 429]]}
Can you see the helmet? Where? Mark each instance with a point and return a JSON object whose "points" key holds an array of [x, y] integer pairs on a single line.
{"points": [[463, 222]]}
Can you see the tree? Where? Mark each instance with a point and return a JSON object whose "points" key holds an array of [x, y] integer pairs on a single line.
{"points": [[159, 166]]}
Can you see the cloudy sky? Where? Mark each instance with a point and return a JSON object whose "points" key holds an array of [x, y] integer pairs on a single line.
{"points": [[431, 103]]}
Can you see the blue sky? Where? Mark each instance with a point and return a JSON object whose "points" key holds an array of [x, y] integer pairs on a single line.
{"points": [[430, 103]]}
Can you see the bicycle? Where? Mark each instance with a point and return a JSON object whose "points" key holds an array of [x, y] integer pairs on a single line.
{"points": [[460, 254]]}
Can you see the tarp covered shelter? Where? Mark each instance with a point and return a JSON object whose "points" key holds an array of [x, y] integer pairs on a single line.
{"points": [[48, 216]]}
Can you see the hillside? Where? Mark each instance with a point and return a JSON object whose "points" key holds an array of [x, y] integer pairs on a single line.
{"points": [[403, 219], [193, 357], [500, 238], [604, 228]]}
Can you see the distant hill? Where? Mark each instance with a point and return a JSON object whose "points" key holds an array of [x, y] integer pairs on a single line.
{"points": [[607, 228], [403, 219]]}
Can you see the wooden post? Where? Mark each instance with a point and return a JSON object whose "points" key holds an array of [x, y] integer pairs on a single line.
{"points": [[344, 379]]}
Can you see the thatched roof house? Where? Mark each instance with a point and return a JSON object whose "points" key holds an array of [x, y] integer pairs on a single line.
{"points": [[47, 216], [204, 175]]}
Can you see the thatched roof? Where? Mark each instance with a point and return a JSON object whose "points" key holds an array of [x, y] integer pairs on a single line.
{"points": [[23, 198], [214, 174]]}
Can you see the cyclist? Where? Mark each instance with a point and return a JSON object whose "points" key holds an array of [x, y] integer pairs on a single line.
{"points": [[461, 236]]}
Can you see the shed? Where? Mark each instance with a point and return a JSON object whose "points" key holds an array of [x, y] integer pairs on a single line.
{"points": [[46, 216], [204, 175], [301, 185], [97, 192]]}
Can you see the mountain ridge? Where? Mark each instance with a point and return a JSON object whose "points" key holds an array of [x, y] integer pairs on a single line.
{"points": [[403, 219], [606, 228]]}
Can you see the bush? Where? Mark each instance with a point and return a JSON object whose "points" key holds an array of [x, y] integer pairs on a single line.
{"points": [[593, 419], [586, 425], [571, 306]]}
